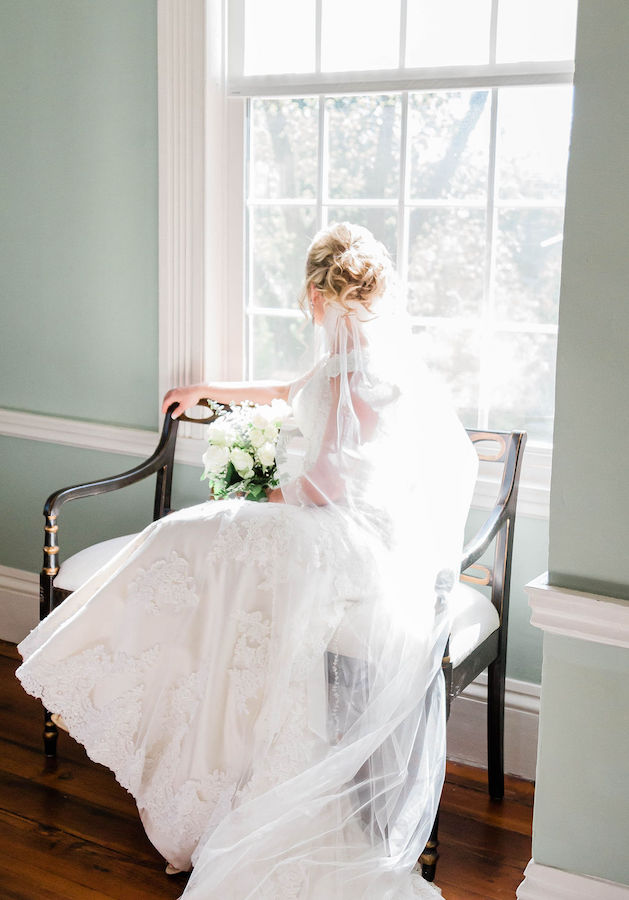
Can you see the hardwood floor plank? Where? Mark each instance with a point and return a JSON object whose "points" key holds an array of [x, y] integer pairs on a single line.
{"points": [[32, 884], [81, 863], [470, 804], [515, 788], [483, 873], [85, 781], [81, 819]]}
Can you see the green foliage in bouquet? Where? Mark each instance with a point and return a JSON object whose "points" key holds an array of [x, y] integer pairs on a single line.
{"points": [[240, 459]]}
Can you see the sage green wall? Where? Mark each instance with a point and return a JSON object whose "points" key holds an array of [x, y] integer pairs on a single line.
{"points": [[581, 816], [589, 523], [78, 217], [31, 470]]}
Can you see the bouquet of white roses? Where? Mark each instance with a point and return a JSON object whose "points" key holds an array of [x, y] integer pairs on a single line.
{"points": [[240, 460]]}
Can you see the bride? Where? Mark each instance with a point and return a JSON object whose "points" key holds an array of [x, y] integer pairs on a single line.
{"points": [[264, 678]]}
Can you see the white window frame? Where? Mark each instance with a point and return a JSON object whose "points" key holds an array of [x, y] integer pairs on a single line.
{"points": [[201, 194]]}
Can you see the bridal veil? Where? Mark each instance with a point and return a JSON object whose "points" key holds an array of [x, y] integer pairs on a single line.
{"points": [[377, 465]]}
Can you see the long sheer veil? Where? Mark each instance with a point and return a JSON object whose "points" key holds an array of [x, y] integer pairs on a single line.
{"points": [[375, 457]]}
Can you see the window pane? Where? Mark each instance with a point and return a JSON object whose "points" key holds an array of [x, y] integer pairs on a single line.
{"points": [[360, 34], [528, 264], [446, 262], [454, 356], [447, 32], [533, 142], [279, 36], [364, 146], [449, 144], [381, 222], [521, 379], [282, 347], [536, 30], [280, 237], [284, 137]]}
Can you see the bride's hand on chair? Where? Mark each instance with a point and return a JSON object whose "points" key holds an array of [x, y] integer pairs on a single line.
{"points": [[185, 397]]}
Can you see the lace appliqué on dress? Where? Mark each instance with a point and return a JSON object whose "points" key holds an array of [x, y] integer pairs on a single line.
{"points": [[166, 586], [255, 541], [187, 806], [251, 654], [107, 729]]}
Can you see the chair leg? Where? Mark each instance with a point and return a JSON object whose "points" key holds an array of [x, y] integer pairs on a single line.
{"points": [[429, 857], [496, 727], [50, 736]]}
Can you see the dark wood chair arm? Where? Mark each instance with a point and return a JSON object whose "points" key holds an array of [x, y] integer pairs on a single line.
{"points": [[483, 538], [163, 455], [505, 503]]}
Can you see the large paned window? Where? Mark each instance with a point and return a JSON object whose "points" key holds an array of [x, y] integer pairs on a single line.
{"points": [[441, 125]]}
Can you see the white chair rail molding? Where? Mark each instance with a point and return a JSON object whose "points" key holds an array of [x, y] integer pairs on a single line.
{"points": [[580, 809], [592, 617]]}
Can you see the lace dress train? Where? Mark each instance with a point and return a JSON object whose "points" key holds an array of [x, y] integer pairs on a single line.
{"points": [[175, 666]]}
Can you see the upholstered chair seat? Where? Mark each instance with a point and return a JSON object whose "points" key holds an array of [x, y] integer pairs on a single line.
{"points": [[474, 617], [75, 570]]}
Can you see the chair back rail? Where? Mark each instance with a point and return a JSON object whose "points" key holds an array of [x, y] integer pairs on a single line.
{"points": [[501, 518], [498, 526]]}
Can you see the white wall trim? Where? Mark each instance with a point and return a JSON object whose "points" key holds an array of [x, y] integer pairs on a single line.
{"points": [[181, 137], [591, 617], [76, 433], [19, 603], [534, 493], [201, 202], [547, 883], [533, 499], [522, 696], [467, 727], [95, 436]]}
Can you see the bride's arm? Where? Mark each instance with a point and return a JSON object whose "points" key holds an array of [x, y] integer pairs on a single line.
{"points": [[324, 481], [225, 392]]}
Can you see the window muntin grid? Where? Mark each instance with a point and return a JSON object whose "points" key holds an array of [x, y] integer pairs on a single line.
{"points": [[284, 43], [472, 294], [482, 309]]}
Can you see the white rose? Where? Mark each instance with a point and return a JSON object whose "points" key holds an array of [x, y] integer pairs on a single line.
{"points": [[270, 433], [257, 437], [243, 461], [266, 454], [259, 419], [220, 433], [281, 410], [215, 458]]}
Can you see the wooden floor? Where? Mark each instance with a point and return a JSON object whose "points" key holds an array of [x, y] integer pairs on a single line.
{"points": [[68, 831]]}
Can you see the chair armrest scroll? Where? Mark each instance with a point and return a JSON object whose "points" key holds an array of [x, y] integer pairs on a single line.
{"points": [[163, 455]]}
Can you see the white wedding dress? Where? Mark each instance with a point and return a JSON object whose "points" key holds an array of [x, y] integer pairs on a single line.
{"points": [[275, 712]]}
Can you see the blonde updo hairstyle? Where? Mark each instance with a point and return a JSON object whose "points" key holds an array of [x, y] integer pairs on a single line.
{"points": [[348, 265]]}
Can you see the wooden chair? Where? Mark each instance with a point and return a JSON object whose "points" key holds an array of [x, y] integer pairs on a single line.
{"points": [[478, 639], [479, 630], [58, 580]]}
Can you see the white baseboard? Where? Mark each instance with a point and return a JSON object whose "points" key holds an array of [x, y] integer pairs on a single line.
{"points": [[547, 883], [19, 603], [467, 728]]}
